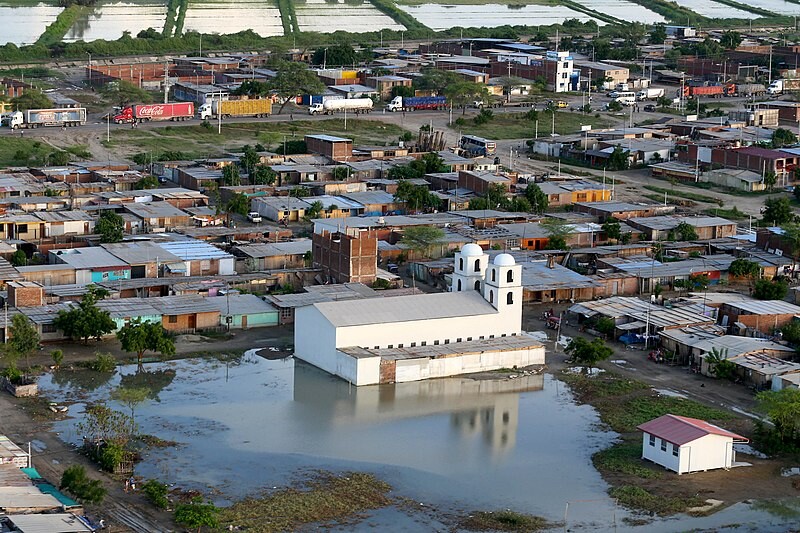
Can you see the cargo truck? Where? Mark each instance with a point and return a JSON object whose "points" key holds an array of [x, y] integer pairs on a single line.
{"points": [[415, 103], [329, 107], [236, 108], [749, 89], [33, 118], [148, 112], [650, 94], [783, 86]]}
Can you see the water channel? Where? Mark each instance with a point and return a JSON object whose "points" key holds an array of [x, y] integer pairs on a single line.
{"points": [[456, 444]]}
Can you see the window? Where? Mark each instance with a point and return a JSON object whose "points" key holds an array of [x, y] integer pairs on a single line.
{"points": [[458, 286], [413, 344], [447, 341], [461, 264], [399, 345], [477, 285], [491, 336], [491, 297], [505, 417], [510, 276], [458, 339], [663, 445], [653, 441], [172, 319], [510, 298], [22, 228], [477, 265], [494, 275], [469, 338], [49, 328], [390, 346], [377, 347], [482, 337], [436, 343], [675, 450], [423, 343]]}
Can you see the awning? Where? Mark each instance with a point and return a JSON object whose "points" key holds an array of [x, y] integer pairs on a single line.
{"points": [[636, 324], [176, 267]]}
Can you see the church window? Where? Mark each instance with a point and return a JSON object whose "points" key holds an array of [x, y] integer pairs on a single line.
{"points": [[510, 277], [491, 297], [447, 341], [436, 343], [390, 346], [399, 345], [459, 285], [494, 275], [510, 298], [477, 265], [461, 264], [458, 339], [423, 343], [477, 285], [413, 344]]}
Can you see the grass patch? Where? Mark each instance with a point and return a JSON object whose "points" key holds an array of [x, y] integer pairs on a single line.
{"points": [[326, 498], [624, 458], [639, 498], [681, 194], [503, 521], [196, 141], [516, 126], [659, 199], [55, 32], [730, 214], [18, 151]]}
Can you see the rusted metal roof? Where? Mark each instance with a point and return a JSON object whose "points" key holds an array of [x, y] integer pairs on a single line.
{"points": [[682, 430]]}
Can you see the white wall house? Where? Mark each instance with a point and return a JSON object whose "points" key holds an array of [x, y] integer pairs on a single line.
{"points": [[685, 445], [408, 338]]}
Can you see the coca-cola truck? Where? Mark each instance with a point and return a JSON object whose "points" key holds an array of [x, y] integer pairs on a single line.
{"points": [[148, 112]]}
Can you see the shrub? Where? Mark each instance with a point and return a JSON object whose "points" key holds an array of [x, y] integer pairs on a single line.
{"points": [[156, 492], [86, 490], [103, 362]]}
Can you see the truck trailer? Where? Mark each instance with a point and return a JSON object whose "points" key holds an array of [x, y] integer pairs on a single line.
{"points": [[34, 118], [783, 86], [261, 108], [329, 107], [147, 112], [650, 94], [416, 103]]}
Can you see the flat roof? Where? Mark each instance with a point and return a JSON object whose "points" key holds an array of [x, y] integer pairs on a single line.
{"points": [[405, 308], [49, 523], [275, 249], [88, 258], [765, 307], [240, 304], [193, 250], [498, 344]]}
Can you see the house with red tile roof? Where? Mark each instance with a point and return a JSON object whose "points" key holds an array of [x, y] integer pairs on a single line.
{"points": [[685, 445]]}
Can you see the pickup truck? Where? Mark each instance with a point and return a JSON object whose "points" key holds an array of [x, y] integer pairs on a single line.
{"points": [[254, 217]]}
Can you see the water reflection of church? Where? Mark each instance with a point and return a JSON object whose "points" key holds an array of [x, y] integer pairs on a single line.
{"points": [[478, 408]]}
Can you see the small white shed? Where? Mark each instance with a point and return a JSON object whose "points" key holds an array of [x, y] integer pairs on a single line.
{"points": [[684, 445]]}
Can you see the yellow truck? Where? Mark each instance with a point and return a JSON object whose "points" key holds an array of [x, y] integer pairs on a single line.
{"points": [[236, 108]]}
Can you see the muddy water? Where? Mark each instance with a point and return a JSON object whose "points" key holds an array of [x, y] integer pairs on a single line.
{"points": [[452, 444]]}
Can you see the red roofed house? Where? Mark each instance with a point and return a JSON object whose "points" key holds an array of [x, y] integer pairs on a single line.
{"points": [[686, 445]]}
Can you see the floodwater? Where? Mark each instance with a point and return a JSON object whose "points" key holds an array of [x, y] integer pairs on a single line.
{"points": [[232, 16], [328, 16], [23, 24], [779, 7], [710, 9], [446, 16], [109, 19], [624, 10], [454, 445]]}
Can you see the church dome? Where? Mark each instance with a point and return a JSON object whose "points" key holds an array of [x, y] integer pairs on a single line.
{"points": [[504, 260], [471, 250]]}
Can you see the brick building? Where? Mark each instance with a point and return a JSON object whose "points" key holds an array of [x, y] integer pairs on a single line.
{"points": [[25, 294], [337, 148], [764, 316], [346, 256]]}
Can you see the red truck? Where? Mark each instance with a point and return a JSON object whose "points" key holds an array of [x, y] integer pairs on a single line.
{"points": [[147, 112], [714, 91]]}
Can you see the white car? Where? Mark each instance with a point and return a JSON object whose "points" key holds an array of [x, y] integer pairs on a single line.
{"points": [[254, 217]]}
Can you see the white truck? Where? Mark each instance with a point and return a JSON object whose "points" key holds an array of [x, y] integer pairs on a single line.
{"points": [[254, 217], [329, 107], [650, 94], [783, 86]]}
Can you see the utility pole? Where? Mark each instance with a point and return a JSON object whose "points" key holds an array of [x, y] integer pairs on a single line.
{"points": [[166, 81]]}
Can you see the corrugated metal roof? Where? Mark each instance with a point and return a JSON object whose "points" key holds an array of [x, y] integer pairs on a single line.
{"points": [[405, 308], [89, 258], [49, 523], [765, 307], [192, 250], [499, 344], [682, 430]]}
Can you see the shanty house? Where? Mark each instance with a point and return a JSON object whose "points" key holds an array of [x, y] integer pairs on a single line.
{"points": [[242, 311], [186, 314], [685, 445]]}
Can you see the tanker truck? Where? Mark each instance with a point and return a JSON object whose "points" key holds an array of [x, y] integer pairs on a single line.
{"points": [[236, 108], [329, 107], [148, 112], [33, 118]]}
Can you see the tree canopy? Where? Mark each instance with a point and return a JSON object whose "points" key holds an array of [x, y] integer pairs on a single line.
{"points": [[231, 176], [464, 93], [612, 229], [782, 137], [744, 268], [197, 515], [770, 289], [557, 232], [24, 338], [778, 211], [31, 99], [586, 353], [684, 232], [294, 78], [75, 481], [86, 321], [783, 410], [337, 55], [138, 337], [125, 93], [415, 197], [110, 226], [537, 198], [422, 239]]}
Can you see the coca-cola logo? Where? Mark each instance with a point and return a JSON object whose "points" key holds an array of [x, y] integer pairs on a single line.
{"points": [[153, 110]]}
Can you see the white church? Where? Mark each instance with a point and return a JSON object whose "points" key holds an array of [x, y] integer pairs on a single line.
{"points": [[476, 327]]}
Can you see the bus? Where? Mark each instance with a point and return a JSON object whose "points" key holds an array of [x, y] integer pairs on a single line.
{"points": [[624, 97], [477, 145]]}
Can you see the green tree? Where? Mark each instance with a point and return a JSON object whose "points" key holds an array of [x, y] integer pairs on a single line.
{"points": [[293, 78], [435, 80], [783, 410], [782, 137], [314, 211], [778, 211], [730, 40], [614, 106], [197, 515], [124, 93], [263, 175], [769, 180], [338, 55], [139, 336], [685, 232], [464, 93], [110, 226], [744, 268], [86, 321], [31, 99], [340, 173], [612, 229], [557, 232], [156, 492], [237, 204], [618, 160], [130, 397], [415, 197], [422, 239], [791, 236], [59, 158], [509, 83], [718, 364], [605, 326], [102, 424], [252, 88], [18, 258], [537, 198], [770, 289], [587, 354], [147, 182], [24, 338], [58, 357], [75, 481], [658, 34], [401, 90], [249, 159], [231, 176], [791, 332]]}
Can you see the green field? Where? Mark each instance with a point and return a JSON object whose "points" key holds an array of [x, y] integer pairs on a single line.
{"points": [[517, 126]]}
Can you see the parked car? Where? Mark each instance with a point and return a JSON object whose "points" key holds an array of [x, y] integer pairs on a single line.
{"points": [[253, 217], [393, 268], [650, 108]]}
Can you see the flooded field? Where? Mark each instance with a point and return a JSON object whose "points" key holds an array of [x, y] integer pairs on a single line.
{"points": [[24, 24], [328, 16], [453, 444], [710, 9], [232, 16], [779, 7], [109, 19], [624, 10], [445, 16]]}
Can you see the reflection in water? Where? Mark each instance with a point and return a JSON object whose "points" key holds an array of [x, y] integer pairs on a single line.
{"points": [[154, 381], [24, 24], [446, 16], [85, 380], [108, 20]]}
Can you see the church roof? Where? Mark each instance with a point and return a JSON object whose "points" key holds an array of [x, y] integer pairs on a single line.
{"points": [[405, 308]]}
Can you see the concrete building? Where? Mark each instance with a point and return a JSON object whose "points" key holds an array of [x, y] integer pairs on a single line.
{"points": [[243, 311], [349, 256], [686, 445], [660, 228], [408, 338], [92, 265]]}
